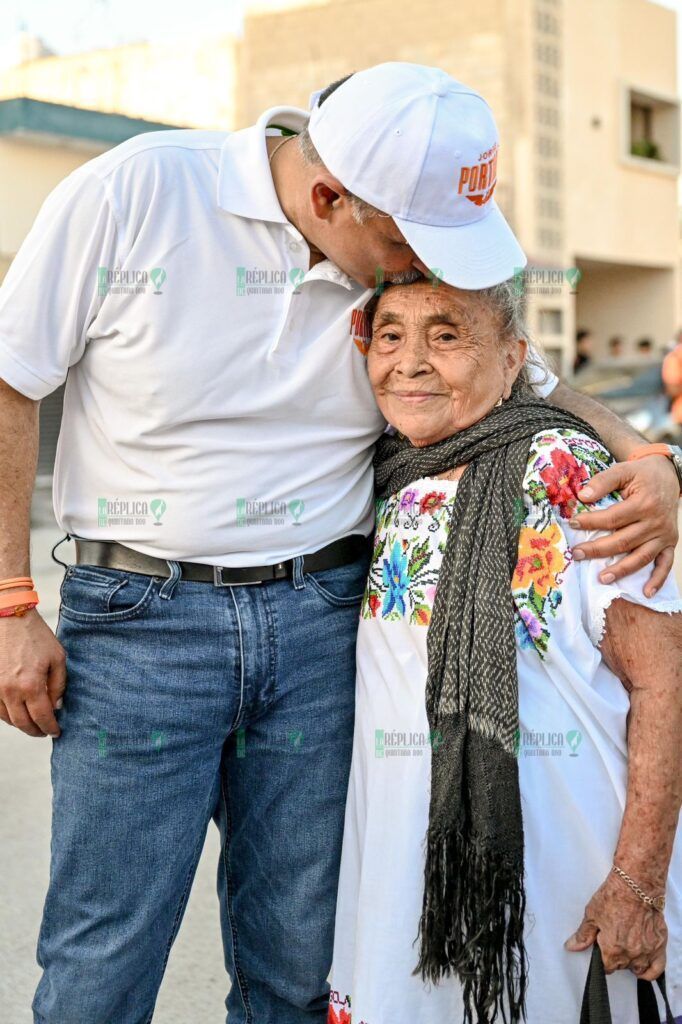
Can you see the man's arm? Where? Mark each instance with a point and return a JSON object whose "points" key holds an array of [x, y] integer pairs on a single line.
{"points": [[644, 524], [32, 661]]}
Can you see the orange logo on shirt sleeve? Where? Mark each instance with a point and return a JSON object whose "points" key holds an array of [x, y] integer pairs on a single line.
{"points": [[360, 330]]}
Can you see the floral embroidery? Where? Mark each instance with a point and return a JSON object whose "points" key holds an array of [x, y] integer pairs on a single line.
{"points": [[411, 530], [536, 582], [558, 465], [342, 1016], [540, 559], [562, 480]]}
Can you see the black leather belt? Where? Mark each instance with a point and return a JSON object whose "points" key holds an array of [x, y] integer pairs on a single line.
{"points": [[111, 555]]}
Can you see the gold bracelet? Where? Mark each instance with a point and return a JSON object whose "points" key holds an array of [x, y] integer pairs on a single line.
{"points": [[657, 902]]}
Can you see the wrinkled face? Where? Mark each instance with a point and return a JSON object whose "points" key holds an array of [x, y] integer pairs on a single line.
{"points": [[436, 361]]}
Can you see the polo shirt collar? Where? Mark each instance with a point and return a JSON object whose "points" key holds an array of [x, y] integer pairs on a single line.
{"points": [[245, 185]]}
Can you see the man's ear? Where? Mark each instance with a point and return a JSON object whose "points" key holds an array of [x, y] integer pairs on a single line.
{"points": [[326, 193]]}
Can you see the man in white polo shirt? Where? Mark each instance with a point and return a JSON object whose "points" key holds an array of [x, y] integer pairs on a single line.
{"points": [[201, 294]]}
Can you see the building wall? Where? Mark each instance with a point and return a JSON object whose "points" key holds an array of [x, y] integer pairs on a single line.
{"points": [[617, 210], [190, 83], [28, 172]]}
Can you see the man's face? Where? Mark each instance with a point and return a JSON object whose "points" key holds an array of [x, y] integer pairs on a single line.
{"points": [[370, 253]]}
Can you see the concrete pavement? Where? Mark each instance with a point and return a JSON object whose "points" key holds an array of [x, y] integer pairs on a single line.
{"points": [[195, 984]]}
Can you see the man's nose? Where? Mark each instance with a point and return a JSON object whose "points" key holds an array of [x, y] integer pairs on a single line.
{"points": [[421, 266]]}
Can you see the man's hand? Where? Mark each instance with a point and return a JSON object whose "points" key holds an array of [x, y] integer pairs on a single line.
{"points": [[644, 523], [631, 934], [32, 674]]}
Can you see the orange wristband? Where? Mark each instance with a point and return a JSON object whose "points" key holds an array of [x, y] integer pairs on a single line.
{"points": [[650, 449], [17, 603], [19, 581]]}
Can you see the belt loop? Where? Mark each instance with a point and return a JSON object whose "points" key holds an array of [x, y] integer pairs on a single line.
{"points": [[297, 573], [168, 588]]}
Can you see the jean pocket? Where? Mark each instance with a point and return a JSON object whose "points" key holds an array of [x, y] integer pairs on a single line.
{"points": [[343, 585], [94, 594]]}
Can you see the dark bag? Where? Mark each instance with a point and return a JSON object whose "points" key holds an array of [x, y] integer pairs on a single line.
{"points": [[596, 1008]]}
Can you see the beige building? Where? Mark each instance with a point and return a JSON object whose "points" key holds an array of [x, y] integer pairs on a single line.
{"points": [[40, 143], [585, 95]]}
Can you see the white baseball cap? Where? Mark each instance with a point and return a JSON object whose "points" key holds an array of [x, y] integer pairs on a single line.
{"points": [[422, 147]]}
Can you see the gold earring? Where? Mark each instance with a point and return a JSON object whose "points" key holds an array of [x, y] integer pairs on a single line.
{"points": [[499, 402]]}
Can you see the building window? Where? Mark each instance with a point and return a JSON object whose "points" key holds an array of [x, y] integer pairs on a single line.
{"points": [[651, 127], [550, 321]]}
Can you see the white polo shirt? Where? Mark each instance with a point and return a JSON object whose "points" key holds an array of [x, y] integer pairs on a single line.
{"points": [[217, 405]]}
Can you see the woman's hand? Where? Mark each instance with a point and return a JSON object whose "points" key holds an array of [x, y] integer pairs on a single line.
{"points": [[630, 933]]}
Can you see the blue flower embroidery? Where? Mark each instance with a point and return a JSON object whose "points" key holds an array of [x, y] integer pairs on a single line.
{"points": [[396, 581]]}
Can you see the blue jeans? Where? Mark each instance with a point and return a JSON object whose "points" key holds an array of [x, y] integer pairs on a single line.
{"points": [[187, 702]]}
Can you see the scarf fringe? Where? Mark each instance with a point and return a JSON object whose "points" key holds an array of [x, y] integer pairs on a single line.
{"points": [[473, 926]]}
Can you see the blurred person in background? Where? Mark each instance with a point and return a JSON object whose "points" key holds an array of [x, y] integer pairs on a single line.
{"points": [[583, 350], [616, 347], [672, 381], [645, 348]]}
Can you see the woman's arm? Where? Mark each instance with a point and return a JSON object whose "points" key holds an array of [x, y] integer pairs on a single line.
{"points": [[644, 649]]}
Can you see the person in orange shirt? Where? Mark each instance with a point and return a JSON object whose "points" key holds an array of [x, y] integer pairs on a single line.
{"points": [[672, 379]]}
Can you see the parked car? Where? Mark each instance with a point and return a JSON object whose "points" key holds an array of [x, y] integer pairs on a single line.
{"points": [[634, 391]]}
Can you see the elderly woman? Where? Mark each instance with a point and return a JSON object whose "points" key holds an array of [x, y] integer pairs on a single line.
{"points": [[517, 744]]}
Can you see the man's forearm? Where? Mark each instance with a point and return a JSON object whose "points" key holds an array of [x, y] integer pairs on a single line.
{"points": [[619, 437], [18, 461]]}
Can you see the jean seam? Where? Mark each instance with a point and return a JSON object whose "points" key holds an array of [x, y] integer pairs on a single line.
{"points": [[238, 716], [241, 980]]}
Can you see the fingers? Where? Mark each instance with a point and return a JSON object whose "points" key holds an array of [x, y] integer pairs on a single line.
{"points": [[619, 543], [615, 517], [655, 970], [20, 718], [662, 568], [581, 939], [42, 715], [612, 479], [56, 678], [635, 561], [4, 713]]}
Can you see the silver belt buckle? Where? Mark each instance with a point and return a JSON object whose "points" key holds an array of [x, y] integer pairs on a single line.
{"points": [[218, 580]]}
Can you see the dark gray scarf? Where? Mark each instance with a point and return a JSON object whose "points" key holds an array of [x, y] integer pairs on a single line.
{"points": [[474, 898]]}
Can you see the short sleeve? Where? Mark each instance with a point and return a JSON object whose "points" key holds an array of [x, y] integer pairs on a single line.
{"points": [[560, 463], [50, 294], [542, 379]]}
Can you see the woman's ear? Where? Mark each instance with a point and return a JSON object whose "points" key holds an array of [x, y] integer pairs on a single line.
{"points": [[515, 357]]}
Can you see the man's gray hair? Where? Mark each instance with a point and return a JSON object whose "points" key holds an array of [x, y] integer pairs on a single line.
{"points": [[361, 210]]}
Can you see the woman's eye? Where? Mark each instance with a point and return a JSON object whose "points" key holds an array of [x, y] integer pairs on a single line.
{"points": [[447, 336], [388, 336]]}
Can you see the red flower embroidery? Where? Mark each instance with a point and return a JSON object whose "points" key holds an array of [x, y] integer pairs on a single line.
{"points": [[562, 480], [431, 502], [374, 602], [338, 1018]]}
